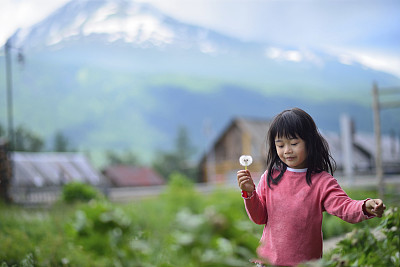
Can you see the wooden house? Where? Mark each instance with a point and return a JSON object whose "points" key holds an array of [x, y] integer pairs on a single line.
{"points": [[248, 137], [241, 137]]}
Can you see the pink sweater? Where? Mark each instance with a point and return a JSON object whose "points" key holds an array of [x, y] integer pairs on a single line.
{"points": [[292, 214]]}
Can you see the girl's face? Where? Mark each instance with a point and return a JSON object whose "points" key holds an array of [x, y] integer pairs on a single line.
{"points": [[292, 151]]}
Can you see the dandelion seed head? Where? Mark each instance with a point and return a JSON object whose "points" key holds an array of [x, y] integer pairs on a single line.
{"points": [[245, 160]]}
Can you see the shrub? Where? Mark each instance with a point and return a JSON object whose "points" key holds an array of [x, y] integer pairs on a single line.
{"points": [[362, 248], [109, 234], [37, 235], [25, 262], [77, 191], [211, 239], [180, 193]]}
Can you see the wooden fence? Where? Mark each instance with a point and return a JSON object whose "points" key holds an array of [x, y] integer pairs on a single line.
{"points": [[35, 195], [32, 196]]}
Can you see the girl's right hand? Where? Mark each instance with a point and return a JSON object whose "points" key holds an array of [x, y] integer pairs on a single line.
{"points": [[245, 181]]}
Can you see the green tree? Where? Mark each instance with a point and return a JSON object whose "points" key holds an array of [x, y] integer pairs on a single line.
{"points": [[2, 131], [122, 158], [180, 159], [184, 148], [61, 142], [25, 140]]}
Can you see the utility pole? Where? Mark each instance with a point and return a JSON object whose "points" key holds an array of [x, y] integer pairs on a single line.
{"points": [[6, 149], [6, 168], [7, 49], [377, 106], [378, 141]]}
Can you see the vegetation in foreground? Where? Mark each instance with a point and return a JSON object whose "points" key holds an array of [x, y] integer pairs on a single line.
{"points": [[179, 228]]}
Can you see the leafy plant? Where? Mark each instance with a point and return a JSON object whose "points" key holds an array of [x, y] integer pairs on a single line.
{"points": [[78, 191], [101, 229], [203, 239], [28, 261], [362, 247]]}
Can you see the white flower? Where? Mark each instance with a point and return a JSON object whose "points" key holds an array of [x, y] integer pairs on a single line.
{"points": [[245, 160]]}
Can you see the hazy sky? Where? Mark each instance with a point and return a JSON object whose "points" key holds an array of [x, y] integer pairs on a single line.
{"points": [[367, 31]]}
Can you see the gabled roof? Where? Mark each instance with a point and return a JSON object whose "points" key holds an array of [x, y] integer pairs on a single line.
{"points": [[390, 146], [52, 168], [123, 175], [256, 127], [361, 160]]}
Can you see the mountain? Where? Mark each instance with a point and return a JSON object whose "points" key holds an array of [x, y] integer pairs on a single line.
{"points": [[121, 75], [118, 21]]}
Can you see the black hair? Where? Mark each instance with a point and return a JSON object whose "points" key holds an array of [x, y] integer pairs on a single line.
{"points": [[296, 123]]}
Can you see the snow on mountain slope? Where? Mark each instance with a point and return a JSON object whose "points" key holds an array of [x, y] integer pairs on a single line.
{"points": [[139, 24]]}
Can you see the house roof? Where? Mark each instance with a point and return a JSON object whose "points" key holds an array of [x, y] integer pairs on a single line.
{"points": [[390, 146], [360, 159], [52, 168], [256, 127], [123, 175]]}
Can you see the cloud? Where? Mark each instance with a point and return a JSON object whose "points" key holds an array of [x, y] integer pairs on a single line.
{"points": [[280, 54], [376, 60], [369, 58], [302, 55], [19, 14]]}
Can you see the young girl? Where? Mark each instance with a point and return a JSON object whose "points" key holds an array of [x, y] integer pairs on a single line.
{"points": [[295, 190]]}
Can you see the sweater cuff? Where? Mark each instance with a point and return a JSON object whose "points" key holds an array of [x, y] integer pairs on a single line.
{"points": [[245, 194]]}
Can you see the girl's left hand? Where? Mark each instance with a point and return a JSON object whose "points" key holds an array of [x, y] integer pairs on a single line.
{"points": [[375, 207]]}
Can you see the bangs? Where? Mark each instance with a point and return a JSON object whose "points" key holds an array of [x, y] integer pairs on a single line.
{"points": [[288, 125]]}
